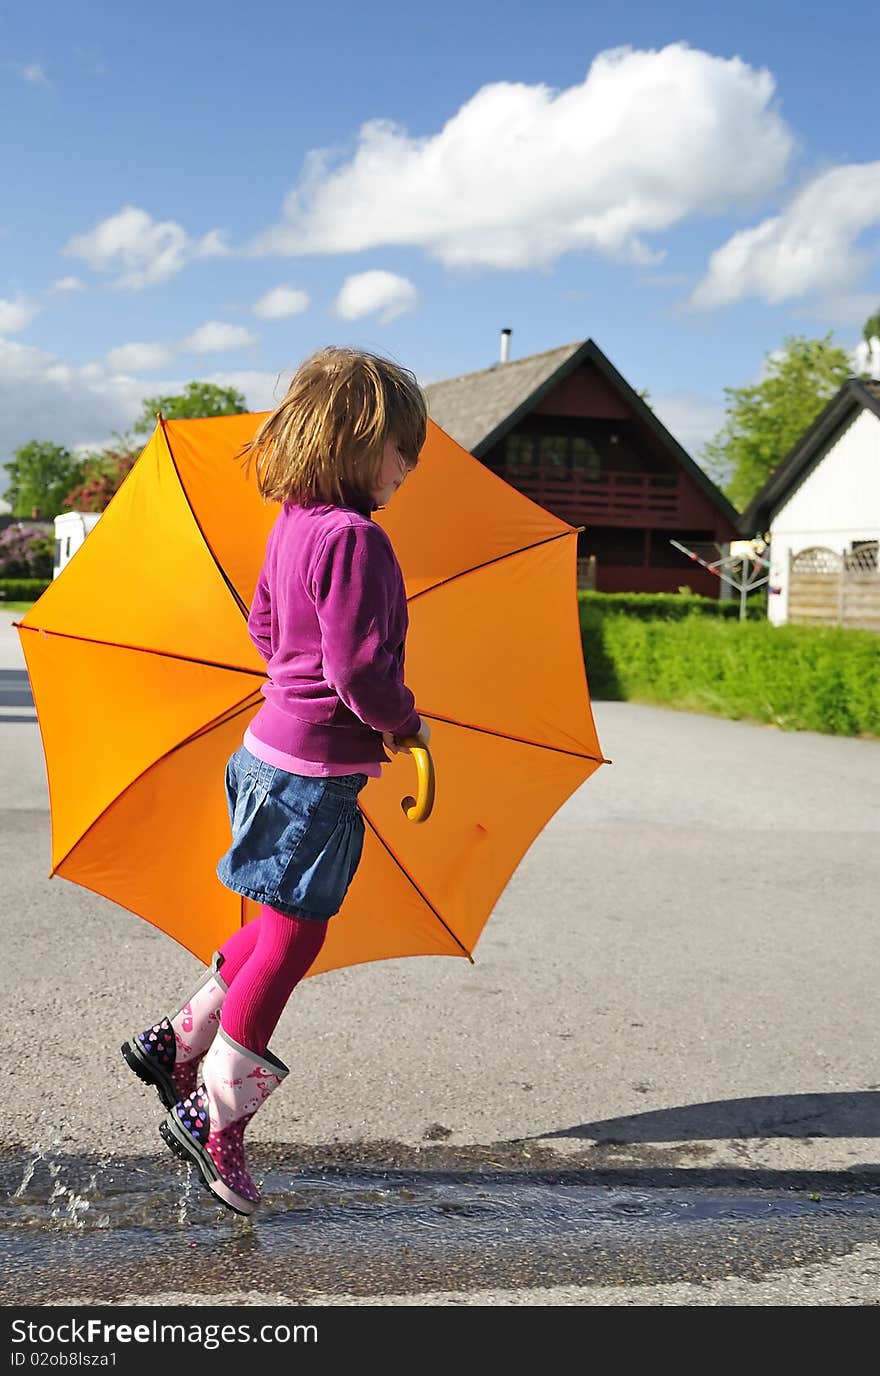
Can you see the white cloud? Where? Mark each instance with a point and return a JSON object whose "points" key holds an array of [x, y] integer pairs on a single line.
{"points": [[691, 420], [845, 309], [263, 391], [139, 358], [281, 302], [34, 74], [375, 293], [865, 357], [43, 397], [67, 284], [522, 174], [212, 245], [216, 335], [149, 356], [811, 247], [139, 250], [14, 315]]}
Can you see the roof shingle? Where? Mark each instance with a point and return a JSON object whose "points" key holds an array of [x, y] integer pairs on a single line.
{"points": [[471, 406]]}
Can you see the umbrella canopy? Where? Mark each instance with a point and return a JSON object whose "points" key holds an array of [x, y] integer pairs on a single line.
{"points": [[144, 679]]}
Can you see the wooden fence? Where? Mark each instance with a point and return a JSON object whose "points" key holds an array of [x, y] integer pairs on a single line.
{"points": [[830, 589]]}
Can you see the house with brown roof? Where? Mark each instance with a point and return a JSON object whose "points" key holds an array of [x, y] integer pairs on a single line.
{"points": [[568, 431], [820, 512]]}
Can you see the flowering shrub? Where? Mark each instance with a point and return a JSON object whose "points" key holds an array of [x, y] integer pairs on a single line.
{"points": [[103, 475], [27, 550]]}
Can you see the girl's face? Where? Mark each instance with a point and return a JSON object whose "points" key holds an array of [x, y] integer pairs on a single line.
{"points": [[392, 471]]}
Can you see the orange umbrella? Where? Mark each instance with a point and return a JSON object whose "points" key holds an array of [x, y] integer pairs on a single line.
{"points": [[144, 679]]}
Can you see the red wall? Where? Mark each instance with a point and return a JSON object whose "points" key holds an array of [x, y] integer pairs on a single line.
{"points": [[584, 393], [587, 394], [637, 578]]}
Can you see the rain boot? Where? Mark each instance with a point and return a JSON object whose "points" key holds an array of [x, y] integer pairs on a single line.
{"points": [[207, 1128], [167, 1055]]}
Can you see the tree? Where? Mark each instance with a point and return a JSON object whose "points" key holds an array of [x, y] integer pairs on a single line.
{"points": [[40, 476], [197, 399], [766, 420], [103, 475], [872, 327]]}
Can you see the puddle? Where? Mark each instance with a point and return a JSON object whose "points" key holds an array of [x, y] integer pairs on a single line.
{"points": [[105, 1227]]}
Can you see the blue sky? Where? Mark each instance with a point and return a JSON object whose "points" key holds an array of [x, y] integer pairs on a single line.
{"points": [[211, 192]]}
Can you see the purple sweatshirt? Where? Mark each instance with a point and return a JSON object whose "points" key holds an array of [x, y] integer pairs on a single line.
{"points": [[329, 617]]}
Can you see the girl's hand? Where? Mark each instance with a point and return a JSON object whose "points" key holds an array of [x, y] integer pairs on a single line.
{"points": [[390, 741]]}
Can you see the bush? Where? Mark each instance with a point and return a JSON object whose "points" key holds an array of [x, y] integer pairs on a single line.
{"points": [[103, 475], [27, 550], [803, 678], [654, 606], [22, 589], [595, 607]]}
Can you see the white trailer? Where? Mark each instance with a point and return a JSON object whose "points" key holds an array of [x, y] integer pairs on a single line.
{"points": [[71, 529]]}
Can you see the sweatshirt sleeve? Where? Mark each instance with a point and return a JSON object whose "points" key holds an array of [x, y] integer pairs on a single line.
{"points": [[356, 584], [259, 621]]}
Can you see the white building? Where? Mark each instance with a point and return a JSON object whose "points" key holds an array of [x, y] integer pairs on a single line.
{"points": [[71, 529], [823, 498]]}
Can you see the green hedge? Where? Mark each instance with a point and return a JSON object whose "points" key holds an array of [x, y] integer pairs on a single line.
{"points": [[654, 606], [21, 589], [802, 678]]}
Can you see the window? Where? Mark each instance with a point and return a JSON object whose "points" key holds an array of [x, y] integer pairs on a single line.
{"points": [[585, 461], [553, 455], [520, 451], [556, 454], [614, 545]]}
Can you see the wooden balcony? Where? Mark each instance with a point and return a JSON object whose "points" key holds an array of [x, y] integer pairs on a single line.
{"points": [[615, 499]]}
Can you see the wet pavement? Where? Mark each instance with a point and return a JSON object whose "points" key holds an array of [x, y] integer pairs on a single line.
{"points": [[384, 1219]]}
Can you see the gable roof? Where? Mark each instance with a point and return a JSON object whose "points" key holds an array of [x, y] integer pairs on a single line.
{"points": [[472, 407], [479, 409], [855, 395]]}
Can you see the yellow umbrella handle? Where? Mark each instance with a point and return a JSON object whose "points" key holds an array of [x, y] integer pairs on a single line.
{"points": [[419, 809]]}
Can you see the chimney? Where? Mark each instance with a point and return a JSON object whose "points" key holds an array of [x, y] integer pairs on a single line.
{"points": [[505, 345]]}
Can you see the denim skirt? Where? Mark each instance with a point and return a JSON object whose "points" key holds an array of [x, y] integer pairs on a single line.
{"points": [[296, 841]]}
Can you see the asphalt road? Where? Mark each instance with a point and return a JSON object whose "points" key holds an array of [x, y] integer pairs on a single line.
{"points": [[672, 1019]]}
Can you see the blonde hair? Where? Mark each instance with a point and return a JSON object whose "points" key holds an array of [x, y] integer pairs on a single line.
{"points": [[324, 442]]}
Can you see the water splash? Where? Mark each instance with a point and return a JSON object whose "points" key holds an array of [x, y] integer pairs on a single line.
{"points": [[71, 1206], [66, 1203], [185, 1197], [29, 1171]]}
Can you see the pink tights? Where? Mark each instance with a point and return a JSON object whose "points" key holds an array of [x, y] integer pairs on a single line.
{"points": [[263, 962]]}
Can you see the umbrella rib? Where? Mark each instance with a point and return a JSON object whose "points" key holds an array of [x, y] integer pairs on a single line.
{"points": [[422, 895], [147, 650], [220, 720], [239, 601], [498, 558], [505, 736]]}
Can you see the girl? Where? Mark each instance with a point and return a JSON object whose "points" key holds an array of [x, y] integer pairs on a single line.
{"points": [[329, 617]]}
